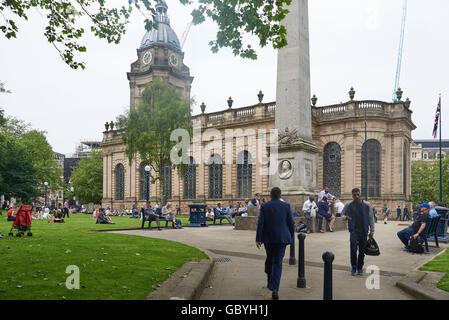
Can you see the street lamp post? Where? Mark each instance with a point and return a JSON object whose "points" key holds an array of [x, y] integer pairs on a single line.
{"points": [[147, 177], [46, 185], [73, 196]]}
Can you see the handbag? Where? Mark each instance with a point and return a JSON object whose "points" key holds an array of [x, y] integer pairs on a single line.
{"points": [[416, 245], [372, 248], [312, 213], [301, 228]]}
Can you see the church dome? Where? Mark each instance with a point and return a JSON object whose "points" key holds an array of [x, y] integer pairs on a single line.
{"points": [[164, 34]]}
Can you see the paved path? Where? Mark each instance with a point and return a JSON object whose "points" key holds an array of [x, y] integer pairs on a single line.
{"points": [[239, 271]]}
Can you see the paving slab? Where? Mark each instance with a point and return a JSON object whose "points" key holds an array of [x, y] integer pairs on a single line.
{"points": [[240, 276]]}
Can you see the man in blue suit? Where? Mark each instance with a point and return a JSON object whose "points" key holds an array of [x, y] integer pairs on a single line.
{"points": [[275, 230]]}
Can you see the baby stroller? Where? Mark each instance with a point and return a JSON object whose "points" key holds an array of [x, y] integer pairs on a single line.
{"points": [[22, 223]]}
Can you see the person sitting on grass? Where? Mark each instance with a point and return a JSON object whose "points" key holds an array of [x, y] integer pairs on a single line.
{"points": [[57, 218], [135, 214], [210, 215], [102, 218]]}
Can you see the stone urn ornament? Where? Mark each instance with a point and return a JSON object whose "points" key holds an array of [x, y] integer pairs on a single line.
{"points": [[351, 93], [260, 96]]}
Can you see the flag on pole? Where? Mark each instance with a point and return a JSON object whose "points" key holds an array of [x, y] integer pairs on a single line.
{"points": [[437, 120]]}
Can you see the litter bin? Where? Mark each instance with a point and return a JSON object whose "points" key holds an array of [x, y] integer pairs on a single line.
{"points": [[443, 236], [197, 215]]}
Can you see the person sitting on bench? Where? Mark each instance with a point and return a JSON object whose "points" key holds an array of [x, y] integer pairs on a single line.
{"points": [[220, 211], [416, 228], [168, 213], [148, 214]]}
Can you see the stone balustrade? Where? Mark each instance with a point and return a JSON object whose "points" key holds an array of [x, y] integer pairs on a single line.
{"points": [[267, 111]]}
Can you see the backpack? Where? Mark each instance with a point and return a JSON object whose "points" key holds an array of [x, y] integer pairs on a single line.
{"points": [[372, 249], [301, 227], [178, 223], [416, 245]]}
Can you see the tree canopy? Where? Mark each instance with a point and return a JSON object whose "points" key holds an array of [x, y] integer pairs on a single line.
{"points": [[17, 174], [87, 178], [42, 157], [26, 161], [234, 19], [426, 181], [148, 127]]}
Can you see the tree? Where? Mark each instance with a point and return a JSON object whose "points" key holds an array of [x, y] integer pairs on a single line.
{"points": [[87, 178], [14, 127], [234, 18], [43, 159], [426, 181], [17, 174], [148, 127]]}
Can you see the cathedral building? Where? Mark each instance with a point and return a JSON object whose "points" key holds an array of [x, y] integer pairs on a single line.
{"points": [[377, 161]]}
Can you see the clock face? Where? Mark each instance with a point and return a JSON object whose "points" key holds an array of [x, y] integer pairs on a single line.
{"points": [[147, 57], [173, 60]]}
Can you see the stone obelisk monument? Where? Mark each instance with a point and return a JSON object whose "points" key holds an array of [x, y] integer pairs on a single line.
{"points": [[297, 155]]}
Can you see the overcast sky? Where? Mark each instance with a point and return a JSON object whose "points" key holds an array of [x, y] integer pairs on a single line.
{"points": [[353, 43]]}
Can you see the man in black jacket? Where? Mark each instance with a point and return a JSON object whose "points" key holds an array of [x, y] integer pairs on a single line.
{"points": [[360, 218]]}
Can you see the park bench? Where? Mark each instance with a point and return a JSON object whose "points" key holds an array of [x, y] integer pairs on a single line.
{"points": [[431, 230], [218, 216], [161, 218]]}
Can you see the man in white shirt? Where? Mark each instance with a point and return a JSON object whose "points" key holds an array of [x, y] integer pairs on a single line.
{"points": [[307, 209], [325, 193], [340, 207]]}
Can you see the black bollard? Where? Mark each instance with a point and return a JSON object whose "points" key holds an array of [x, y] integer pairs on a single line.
{"points": [[328, 258], [292, 260], [301, 283]]}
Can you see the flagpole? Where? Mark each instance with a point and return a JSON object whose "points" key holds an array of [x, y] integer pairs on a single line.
{"points": [[441, 160]]}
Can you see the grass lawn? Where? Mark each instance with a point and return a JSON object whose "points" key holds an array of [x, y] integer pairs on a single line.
{"points": [[112, 266], [440, 264]]}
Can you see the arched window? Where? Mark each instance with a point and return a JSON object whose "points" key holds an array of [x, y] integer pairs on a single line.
{"points": [[404, 169], [215, 177], [120, 182], [332, 168], [143, 182], [167, 180], [244, 175], [371, 168], [190, 180]]}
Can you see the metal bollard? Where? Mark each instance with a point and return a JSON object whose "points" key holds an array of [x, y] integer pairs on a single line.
{"points": [[292, 260], [328, 258], [301, 283]]}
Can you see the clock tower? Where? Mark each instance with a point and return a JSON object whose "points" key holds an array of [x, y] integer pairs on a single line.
{"points": [[160, 55]]}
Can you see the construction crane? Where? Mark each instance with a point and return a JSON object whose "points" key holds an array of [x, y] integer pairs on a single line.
{"points": [[401, 46], [185, 34]]}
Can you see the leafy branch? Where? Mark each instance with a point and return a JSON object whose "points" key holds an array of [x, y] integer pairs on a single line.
{"points": [[234, 18]]}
